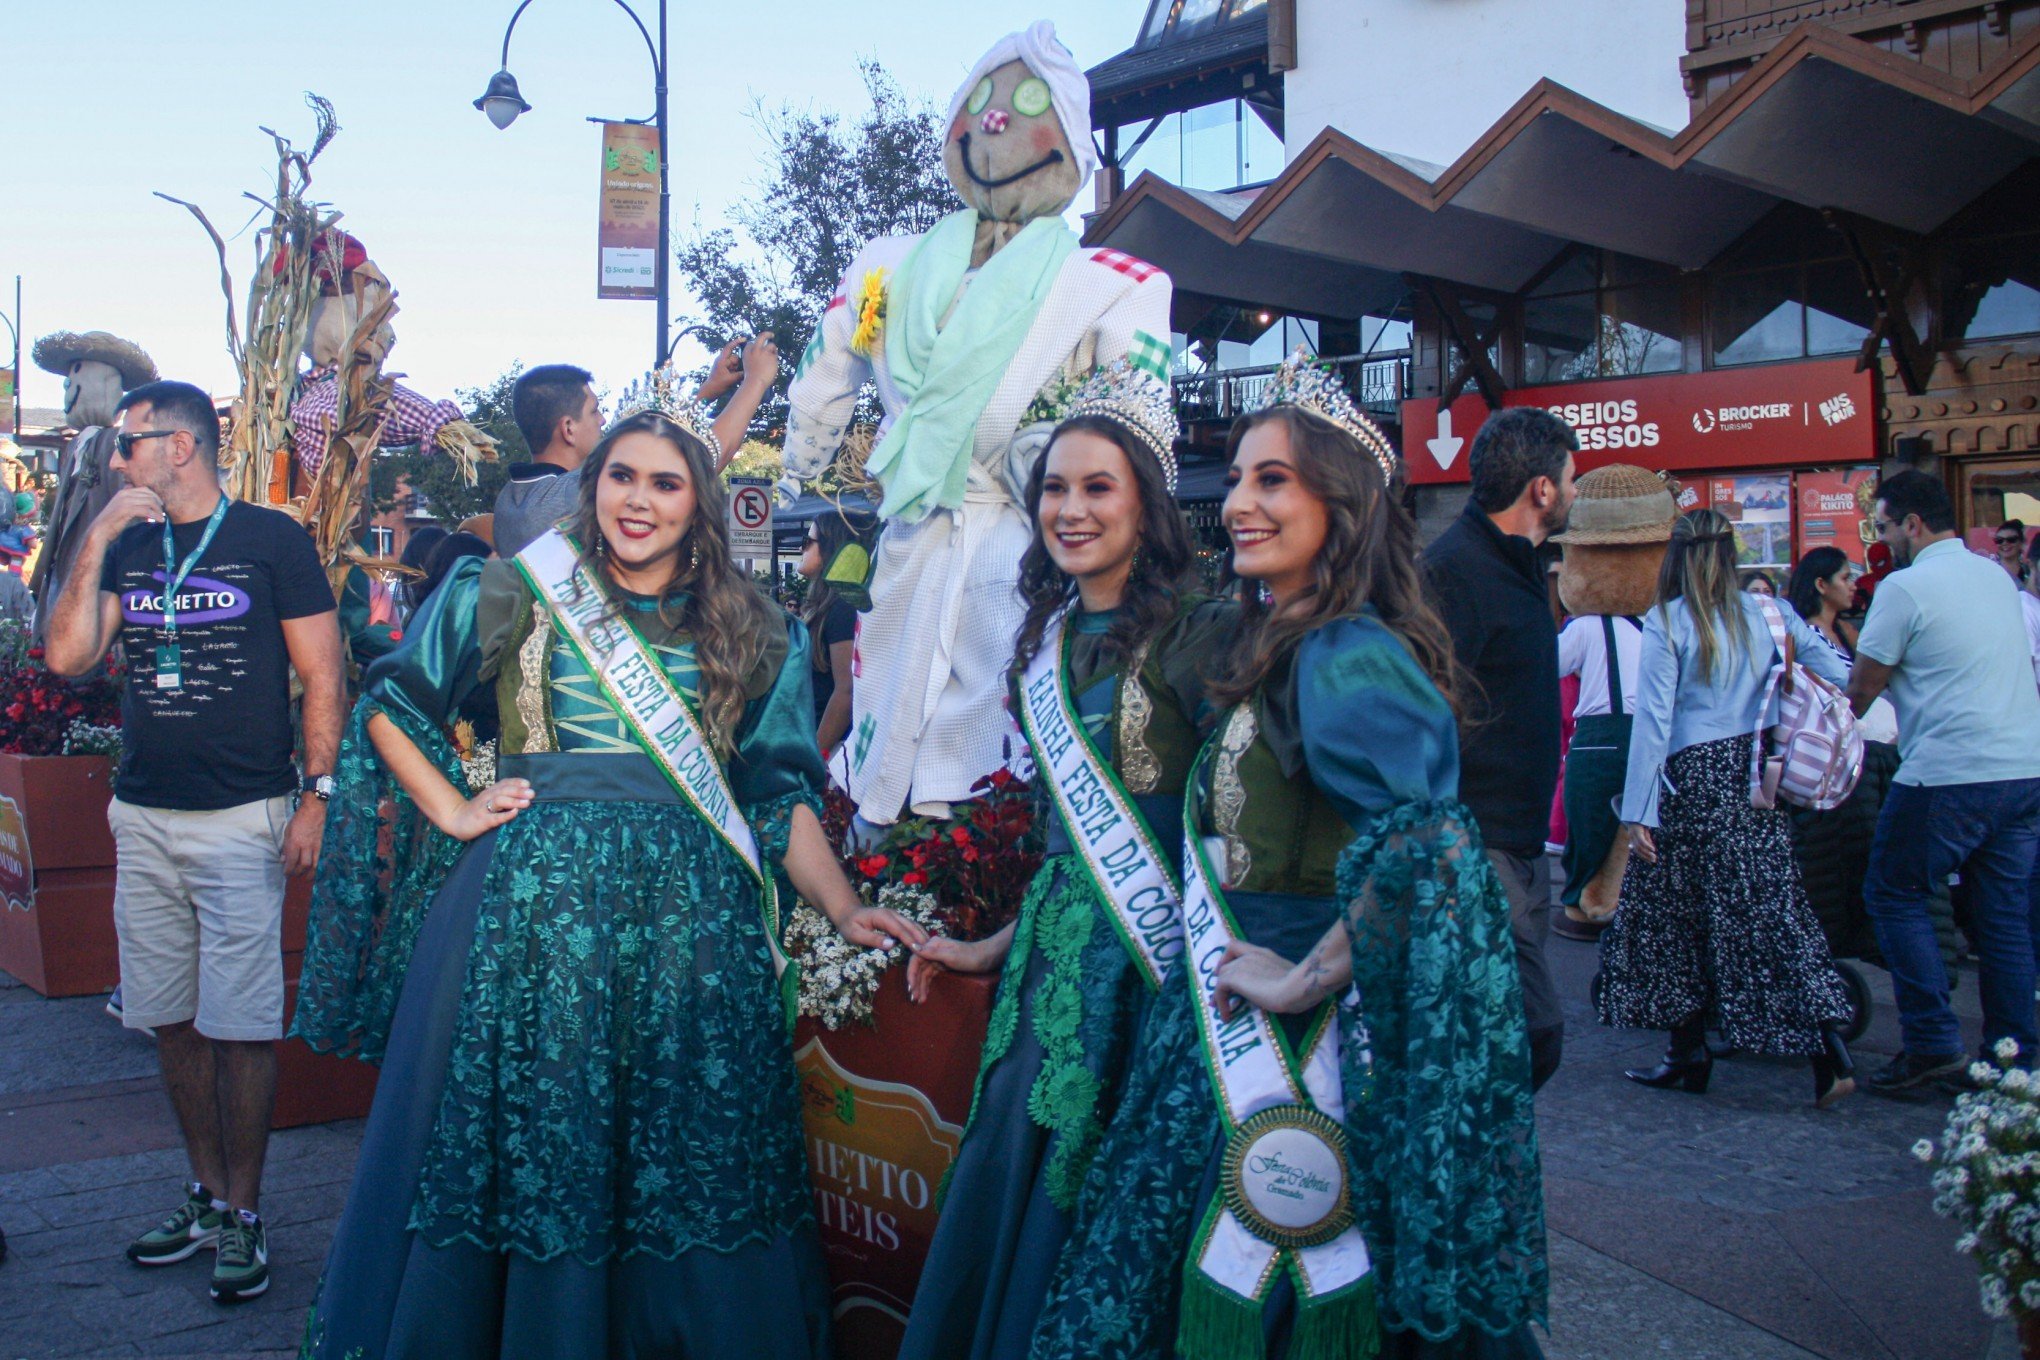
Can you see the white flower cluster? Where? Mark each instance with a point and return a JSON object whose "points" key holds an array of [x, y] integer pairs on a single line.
{"points": [[479, 768], [1987, 1179], [82, 738], [838, 979]]}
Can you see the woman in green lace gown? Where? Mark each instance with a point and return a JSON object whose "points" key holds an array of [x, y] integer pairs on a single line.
{"points": [[586, 1139], [1108, 580], [1326, 808]]}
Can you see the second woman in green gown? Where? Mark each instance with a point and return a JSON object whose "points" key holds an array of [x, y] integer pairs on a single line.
{"points": [[1114, 623]]}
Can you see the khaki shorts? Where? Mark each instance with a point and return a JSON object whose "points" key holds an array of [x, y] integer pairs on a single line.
{"points": [[198, 905]]}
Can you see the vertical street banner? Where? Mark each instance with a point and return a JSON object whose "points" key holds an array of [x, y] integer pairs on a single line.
{"points": [[7, 398], [1836, 511], [627, 240]]}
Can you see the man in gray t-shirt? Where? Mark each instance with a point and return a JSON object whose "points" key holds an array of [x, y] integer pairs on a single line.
{"points": [[1946, 639], [556, 412]]}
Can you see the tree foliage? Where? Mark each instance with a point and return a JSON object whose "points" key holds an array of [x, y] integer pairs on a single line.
{"points": [[829, 186], [431, 475]]}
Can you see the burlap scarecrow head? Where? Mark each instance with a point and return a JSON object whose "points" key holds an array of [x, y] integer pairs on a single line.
{"points": [[1615, 541], [1019, 143], [349, 285], [97, 367]]}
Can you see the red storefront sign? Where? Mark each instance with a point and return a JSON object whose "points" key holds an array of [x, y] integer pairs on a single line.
{"points": [[1822, 411], [1835, 511]]}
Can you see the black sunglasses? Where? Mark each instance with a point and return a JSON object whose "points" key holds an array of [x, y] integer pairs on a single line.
{"points": [[127, 442]]}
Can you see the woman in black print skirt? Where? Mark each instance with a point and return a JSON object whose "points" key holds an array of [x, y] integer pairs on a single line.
{"points": [[1713, 926]]}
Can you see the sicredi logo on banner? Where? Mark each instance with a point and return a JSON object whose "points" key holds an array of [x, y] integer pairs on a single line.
{"points": [[1779, 415]]}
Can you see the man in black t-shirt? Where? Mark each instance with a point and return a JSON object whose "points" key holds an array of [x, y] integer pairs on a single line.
{"points": [[211, 622]]}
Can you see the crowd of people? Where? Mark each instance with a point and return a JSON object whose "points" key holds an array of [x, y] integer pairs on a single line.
{"points": [[1324, 795]]}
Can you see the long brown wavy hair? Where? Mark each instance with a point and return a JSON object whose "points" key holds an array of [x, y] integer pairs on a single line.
{"points": [[1369, 557], [728, 615], [1700, 569], [1164, 567]]}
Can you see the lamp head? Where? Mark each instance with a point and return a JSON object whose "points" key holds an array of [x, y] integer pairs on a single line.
{"points": [[501, 101]]}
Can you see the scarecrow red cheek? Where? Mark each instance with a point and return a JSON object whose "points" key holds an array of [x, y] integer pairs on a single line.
{"points": [[1043, 138], [958, 126]]}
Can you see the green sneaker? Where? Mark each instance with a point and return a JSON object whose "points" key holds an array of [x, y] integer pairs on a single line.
{"points": [[195, 1225], [241, 1269]]}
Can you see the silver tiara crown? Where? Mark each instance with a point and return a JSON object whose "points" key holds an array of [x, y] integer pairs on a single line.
{"points": [[1303, 382], [1140, 402], [662, 392]]}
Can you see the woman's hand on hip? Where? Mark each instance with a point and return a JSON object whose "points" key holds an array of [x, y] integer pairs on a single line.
{"points": [[1260, 977], [489, 809]]}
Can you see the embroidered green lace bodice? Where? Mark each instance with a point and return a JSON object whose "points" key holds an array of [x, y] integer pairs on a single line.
{"points": [[1086, 996]]}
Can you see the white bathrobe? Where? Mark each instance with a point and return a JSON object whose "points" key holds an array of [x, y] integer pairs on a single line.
{"points": [[928, 708]]}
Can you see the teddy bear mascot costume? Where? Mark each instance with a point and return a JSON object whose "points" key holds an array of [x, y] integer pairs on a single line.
{"points": [[97, 369], [1621, 522], [976, 333]]}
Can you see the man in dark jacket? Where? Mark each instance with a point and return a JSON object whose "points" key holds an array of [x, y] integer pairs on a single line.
{"points": [[1484, 578]]}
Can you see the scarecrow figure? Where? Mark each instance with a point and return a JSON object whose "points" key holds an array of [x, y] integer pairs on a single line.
{"points": [[98, 369], [975, 334]]}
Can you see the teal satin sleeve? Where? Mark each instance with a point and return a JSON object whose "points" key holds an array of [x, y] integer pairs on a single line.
{"points": [[776, 763], [1375, 732], [368, 902], [1447, 1185], [422, 683]]}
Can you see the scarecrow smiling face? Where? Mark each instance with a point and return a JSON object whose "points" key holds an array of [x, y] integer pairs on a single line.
{"points": [[1008, 154]]}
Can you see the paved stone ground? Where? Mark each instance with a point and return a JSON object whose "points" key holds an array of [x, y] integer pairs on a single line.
{"points": [[1742, 1225]]}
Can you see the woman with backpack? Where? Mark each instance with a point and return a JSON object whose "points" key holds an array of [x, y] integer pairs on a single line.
{"points": [[1713, 927]]}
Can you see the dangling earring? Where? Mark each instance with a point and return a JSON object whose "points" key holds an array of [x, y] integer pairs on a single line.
{"points": [[694, 552], [601, 545], [1138, 562]]}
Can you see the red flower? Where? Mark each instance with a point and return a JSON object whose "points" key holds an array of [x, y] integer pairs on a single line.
{"points": [[960, 834], [871, 866], [915, 879], [970, 855]]}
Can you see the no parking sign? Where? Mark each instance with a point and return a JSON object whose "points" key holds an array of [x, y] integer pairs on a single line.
{"points": [[750, 517]]}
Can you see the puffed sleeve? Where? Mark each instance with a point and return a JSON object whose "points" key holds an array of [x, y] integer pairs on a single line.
{"points": [[1190, 652], [421, 683], [1375, 730], [776, 764]]}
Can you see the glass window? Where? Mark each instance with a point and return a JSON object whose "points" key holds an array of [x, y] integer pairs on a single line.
{"points": [[1558, 339], [1261, 156], [1162, 152], [1757, 317], [1838, 312], [1993, 288], [1379, 334], [1211, 146], [1640, 330]]}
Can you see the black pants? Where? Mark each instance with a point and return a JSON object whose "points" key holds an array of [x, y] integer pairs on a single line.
{"points": [[1529, 921]]}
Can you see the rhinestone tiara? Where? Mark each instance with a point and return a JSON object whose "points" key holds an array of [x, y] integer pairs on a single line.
{"points": [[1138, 401], [661, 391], [1303, 382]]}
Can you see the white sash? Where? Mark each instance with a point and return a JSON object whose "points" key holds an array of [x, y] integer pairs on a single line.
{"points": [[1253, 1070], [657, 715], [1112, 838]]}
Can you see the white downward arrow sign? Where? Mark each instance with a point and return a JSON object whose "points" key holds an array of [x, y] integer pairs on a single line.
{"points": [[1445, 448]]}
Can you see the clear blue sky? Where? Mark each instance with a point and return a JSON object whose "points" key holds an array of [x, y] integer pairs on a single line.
{"points": [[488, 236]]}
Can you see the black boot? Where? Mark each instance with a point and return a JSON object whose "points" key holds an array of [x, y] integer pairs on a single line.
{"points": [[1687, 1063], [1834, 1071]]}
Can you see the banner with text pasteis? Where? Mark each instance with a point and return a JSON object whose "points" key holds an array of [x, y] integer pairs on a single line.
{"points": [[1821, 411]]}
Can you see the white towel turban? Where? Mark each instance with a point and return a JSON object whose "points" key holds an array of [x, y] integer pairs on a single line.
{"points": [[1067, 87]]}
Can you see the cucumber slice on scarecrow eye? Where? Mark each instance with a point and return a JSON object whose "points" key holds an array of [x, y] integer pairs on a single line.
{"points": [[980, 97], [1032, 98]]}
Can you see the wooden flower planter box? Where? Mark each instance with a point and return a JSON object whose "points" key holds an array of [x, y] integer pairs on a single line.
{"points": [[311, 1088], [884, 1107], [56, 874]]}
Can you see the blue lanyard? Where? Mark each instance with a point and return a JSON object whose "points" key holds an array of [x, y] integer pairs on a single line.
{"points": [[173, 575]]}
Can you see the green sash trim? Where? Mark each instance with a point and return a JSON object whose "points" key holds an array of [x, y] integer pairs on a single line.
{"points": [[1118, 849]]}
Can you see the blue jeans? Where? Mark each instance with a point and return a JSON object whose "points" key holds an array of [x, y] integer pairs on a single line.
{"points": [[1990, 833]]}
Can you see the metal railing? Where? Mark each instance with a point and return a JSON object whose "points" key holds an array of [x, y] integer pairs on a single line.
{"points": [[1379, 383]]}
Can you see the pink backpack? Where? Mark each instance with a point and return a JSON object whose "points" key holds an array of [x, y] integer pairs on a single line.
{"points": [[1813, 756]]}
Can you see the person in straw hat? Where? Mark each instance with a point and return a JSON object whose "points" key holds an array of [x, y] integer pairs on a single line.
{"points": [[1614, 545], [98, 368]]}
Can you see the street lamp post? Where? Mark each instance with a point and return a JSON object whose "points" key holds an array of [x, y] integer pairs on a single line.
{"points": [[503, 103], [14, 330]]}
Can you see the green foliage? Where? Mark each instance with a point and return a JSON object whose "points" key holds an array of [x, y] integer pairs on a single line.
{"points": [[446, 495], [828, 188]]}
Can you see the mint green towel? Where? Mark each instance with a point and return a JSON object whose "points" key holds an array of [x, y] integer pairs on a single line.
{"points": [[949, 373]]}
